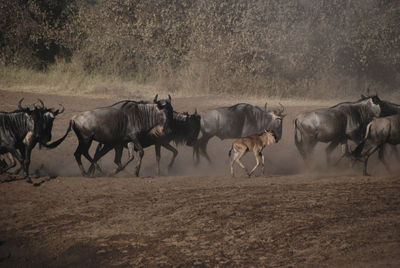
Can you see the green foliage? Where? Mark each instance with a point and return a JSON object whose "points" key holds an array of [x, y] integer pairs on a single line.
{"points": [[319, 48]]}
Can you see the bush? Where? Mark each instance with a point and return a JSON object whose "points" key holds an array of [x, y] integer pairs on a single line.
{"points": [[259, 47]]}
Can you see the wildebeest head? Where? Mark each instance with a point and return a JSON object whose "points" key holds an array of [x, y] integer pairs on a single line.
{"points": [[164, 105], [373, 105], [193, 121], [375, 98], [387, 108], [275, 124], [42, 118]]}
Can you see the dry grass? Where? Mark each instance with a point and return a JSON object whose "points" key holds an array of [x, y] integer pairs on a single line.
{"points": [[67, 79]]}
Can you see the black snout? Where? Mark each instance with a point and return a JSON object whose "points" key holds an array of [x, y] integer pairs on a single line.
{"points": [[275, 136]]}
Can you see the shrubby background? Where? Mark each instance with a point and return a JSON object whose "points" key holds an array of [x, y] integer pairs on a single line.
{"points": [[286, 48]]}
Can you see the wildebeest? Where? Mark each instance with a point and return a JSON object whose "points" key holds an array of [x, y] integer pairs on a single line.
{"points": [[240, 120], [255, 144], [380, 131], [22, 129], [184, 129], [387, 109], [115, 126], [335, 125]]}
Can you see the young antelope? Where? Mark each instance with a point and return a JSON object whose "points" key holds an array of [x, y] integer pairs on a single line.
{"points": [[255, 144]]}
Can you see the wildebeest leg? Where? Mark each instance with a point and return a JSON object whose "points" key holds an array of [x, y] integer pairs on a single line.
{"points": [[231, 167], [174, 152], [99, 147], [83, 148], [141, 154], [257, 164], [20, 168], [346, 152], [382, 158], [27, 162], [237, 159], [99, 154], [8, 166], [3, 163], [118, 155], [157, 148], [16, 155], [232, 157], [196, 157], [329, 150], [203, 148], [117, 160], [367, 155], [262, 161]]}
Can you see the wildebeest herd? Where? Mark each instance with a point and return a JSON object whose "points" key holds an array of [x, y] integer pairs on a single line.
{"points": [[370, 123]]}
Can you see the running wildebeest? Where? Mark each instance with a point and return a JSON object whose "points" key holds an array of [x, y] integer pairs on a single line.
{"points": [[184, 129], [255, 144], [335, 125], [380, 131], [387, 109], [116, 126], [22, 129], [240, 120]]}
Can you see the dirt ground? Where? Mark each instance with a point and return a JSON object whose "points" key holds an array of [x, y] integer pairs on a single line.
{"points": [[196, 215]]}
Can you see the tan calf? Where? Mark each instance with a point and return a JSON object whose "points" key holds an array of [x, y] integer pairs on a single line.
{"points": [[254, 144]]}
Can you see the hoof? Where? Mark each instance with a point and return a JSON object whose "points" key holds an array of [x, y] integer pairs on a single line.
{"points": [[91, 169]]}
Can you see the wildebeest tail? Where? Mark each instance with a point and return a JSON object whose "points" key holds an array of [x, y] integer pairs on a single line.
{"points": [[59, 141], [358, 150], [298, 140]]}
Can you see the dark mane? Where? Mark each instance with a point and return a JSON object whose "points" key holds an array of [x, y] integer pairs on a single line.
{"points": [[124, 103], [179, 127], [344, 103], [146, 116]]}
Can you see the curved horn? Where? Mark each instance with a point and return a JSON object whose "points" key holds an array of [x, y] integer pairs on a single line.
{"points": [[41, 103], [265, 107], [62, 109], [195, 111], [282, 108], [169, 97], [155, 98], [20, 104]]}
